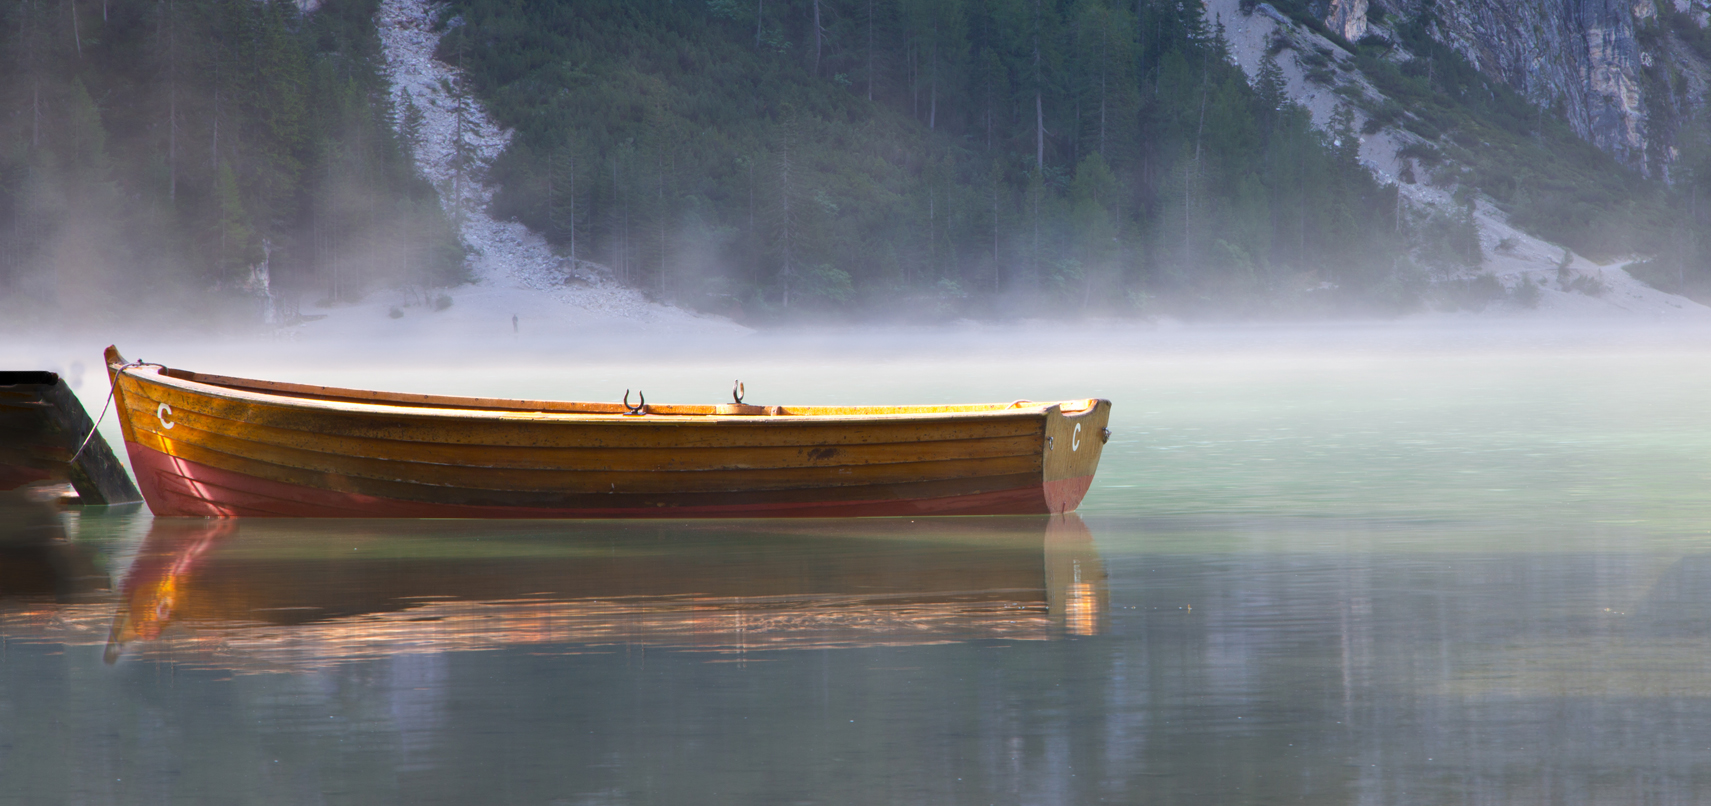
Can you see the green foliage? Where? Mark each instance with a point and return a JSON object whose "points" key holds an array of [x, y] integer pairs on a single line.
{"points": [[1586, 284], [1525, 294], [1671, 273], [911, 157], [163, 144], [829, 284], [1033, 157], [1449, 242], [237, 245], [1426, 154]]}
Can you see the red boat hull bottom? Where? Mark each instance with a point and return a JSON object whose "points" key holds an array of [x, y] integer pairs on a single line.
{"points": [[174, 486]]}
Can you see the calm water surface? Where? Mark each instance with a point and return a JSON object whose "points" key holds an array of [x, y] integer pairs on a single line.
{"points": [[1320, 572]]}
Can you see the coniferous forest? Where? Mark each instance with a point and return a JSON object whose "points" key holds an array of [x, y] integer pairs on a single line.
{"points": [[925, 156], [770, 159], [156, 154]]}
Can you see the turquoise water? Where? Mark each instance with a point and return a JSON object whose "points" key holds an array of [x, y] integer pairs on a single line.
{"points": [[1339, 566]]}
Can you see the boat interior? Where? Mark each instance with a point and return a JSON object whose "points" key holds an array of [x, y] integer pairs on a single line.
{"points": [[642, 408]]}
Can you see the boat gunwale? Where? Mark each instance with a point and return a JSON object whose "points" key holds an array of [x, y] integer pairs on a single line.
{"points": [[456, 407]]}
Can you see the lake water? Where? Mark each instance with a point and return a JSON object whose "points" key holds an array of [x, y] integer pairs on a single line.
{"points": [[1362, 566]]}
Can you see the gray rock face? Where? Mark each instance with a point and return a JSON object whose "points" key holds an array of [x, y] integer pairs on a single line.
{"points": [[1348, 17], [1579, 56]]}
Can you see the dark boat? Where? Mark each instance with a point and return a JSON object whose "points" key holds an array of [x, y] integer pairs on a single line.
{"points": [[42, 429]]}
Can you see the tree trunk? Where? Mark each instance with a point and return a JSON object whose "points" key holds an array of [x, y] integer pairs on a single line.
{"points": [[914, 82], [933, 94], [1188, 172], [1692, 237], [989, 111], [785, 223], [172, 102], [664, 288], [818, 36], [1104, 53], [1398, 208], [1039, 133], [1039, 106], [1039, 189], [1301, 209], [1189, 181], [573, 212], [622, 248]]}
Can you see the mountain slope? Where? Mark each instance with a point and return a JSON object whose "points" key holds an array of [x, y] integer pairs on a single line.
{"points": [[922, 159], [1630, 78], [1438, 178]]}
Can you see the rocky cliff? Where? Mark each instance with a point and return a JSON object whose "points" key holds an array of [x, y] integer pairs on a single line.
{"points": [[1348, 17], [1624, 73], [1465, 166]]}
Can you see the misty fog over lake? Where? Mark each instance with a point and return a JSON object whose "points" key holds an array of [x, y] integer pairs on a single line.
{"points": [[1336, 564]]}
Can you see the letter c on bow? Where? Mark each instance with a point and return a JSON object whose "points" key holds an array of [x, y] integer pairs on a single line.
{"points": [[160, 414]]}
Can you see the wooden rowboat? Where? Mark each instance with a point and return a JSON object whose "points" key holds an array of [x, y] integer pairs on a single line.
{"points": [[208, 445]]}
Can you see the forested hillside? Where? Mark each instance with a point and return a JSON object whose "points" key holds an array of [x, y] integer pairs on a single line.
{"points": [[923, 157], [159, 154], [787, 159]]}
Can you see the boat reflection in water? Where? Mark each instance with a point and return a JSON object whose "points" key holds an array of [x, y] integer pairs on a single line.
{"points": [[37, 562], [262, 595]]}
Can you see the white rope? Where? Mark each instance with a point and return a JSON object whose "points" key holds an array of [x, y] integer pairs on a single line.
{"points": [[110, 393]]}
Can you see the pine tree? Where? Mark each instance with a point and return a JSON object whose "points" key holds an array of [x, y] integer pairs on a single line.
{"points": [[788, 222], [410, 122], [236, 244]]}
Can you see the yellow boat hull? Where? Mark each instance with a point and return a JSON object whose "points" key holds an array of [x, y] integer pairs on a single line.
{"points": [[205, 445]]}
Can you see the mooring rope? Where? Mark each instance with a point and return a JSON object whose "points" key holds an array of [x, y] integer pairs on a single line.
{"points": [[110, 393]]}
